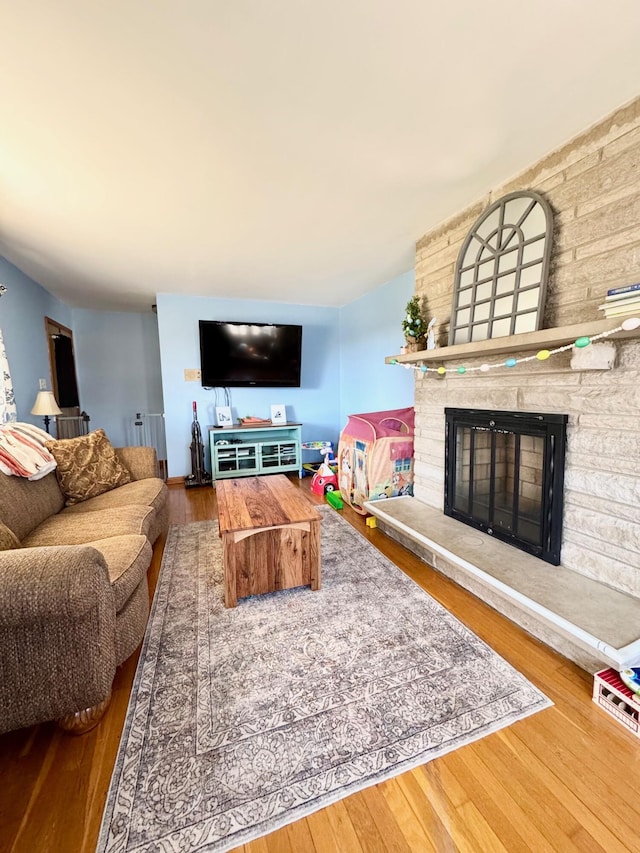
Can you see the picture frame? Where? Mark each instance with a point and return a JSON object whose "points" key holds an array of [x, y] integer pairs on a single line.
{"points": [[223, 416], [278, 413]]}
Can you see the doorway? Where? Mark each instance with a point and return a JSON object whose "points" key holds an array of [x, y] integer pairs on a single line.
{"points": [[64, 380]]}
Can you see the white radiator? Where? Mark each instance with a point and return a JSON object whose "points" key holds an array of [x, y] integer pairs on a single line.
{"points": [[71, 426]]}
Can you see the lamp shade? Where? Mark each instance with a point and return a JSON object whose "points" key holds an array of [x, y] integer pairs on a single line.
{"points": [[45, 404]]}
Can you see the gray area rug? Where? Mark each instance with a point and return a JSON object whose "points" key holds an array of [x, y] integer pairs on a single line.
{"points": [[243, 720]]}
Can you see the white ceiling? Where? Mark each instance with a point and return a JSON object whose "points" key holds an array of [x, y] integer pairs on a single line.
{"points": [[278, 149]]}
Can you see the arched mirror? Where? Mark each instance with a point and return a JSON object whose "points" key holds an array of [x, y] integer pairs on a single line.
{"points": [[502, 269]]}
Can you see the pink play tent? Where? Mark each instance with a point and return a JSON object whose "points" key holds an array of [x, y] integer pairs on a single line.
{"points": [[375, 456]]}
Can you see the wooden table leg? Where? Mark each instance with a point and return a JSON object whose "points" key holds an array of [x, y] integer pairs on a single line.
{"points": [[229, 564], [314, 554]]}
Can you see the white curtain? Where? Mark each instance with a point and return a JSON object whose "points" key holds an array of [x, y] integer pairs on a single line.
{"points": [[8, 410]]}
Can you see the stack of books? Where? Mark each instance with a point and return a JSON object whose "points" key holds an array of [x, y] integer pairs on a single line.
{"points": [[622, 300]]}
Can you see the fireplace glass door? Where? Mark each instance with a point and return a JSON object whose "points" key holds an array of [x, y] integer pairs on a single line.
{"points": [[504, 475]]}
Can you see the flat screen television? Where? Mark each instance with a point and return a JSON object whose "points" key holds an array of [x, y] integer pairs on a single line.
{"points": [[250, 355]]}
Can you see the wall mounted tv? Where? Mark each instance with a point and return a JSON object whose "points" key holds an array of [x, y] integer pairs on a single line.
{"points": [[250, 355]]}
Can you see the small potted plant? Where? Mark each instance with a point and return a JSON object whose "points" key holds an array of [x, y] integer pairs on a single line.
{"points": [[414, 326]]}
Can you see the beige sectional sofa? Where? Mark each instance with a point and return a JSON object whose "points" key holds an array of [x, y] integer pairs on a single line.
{"points": [[74, 599]]}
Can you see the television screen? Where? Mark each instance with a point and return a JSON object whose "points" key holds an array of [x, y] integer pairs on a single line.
{"points": [[244, 355]]}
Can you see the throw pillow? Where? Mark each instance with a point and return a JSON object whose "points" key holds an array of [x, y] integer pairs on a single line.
{"points": [[87, 466], [8, 538]]}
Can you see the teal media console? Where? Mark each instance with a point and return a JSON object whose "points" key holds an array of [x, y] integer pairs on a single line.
{"points": [[248, 451]]}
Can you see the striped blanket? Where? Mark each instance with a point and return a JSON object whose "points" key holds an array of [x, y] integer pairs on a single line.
{"points": [[23, 452]]}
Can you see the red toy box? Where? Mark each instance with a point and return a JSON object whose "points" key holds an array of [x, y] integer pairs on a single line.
{"points": [[614, 697]]}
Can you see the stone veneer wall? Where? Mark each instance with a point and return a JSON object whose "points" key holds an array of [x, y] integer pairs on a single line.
{"points": [[593, 186]]}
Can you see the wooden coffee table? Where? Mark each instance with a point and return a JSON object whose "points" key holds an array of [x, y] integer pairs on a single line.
{"points": [[270, 536]]}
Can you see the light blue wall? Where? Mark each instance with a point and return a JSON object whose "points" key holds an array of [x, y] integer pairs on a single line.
{"points": [[118, 364], [315, 404], [370, 329], [131, 362], [23, 309], [117, 355]]}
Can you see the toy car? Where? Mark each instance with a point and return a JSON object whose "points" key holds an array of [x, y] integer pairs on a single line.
{"points": [[324, 480]]}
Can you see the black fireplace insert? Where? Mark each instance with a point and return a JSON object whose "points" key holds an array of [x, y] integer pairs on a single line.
{"points": [[504, 475]]}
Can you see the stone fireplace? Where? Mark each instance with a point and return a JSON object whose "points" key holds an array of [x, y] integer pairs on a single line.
{"points": [[591, 184], [504, 475]]}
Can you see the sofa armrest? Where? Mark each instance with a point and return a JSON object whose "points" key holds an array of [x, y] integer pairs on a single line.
{"points": [[53, 582], [57, 633], [142, 462]]}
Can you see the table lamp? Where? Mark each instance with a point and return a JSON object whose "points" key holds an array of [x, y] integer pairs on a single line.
{"points": [[46, 406]]}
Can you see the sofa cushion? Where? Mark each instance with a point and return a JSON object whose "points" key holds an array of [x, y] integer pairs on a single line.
{"points": [[128, 558], [79, 528], [87, 466], [140, 461], [24, 504], [8, 539], [149, 492]]}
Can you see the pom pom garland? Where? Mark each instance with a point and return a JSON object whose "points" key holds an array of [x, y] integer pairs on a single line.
{"points": [[628, 325]]}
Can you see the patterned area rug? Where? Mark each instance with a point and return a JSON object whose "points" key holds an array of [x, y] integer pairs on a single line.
{"points": [[244, 720]]}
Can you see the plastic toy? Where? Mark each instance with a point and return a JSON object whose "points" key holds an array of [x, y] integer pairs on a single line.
{"points": [[334, 499], [325, 479], [323, 447], [631, 677], [371, 521]]}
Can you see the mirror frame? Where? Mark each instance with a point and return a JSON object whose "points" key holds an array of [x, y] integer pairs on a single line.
{"points": [[493, 296]]}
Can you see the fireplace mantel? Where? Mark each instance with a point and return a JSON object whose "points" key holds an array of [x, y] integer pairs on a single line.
{"points": [[527, 342]]}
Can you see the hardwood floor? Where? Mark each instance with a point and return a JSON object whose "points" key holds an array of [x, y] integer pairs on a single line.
{"points": [[564, 779]]}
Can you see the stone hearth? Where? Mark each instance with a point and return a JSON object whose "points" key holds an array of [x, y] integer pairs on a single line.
{"points": [[585, 620]]}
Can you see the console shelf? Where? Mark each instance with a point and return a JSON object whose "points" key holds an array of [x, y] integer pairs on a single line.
{"points": [[248, 451], [526, 342]]}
